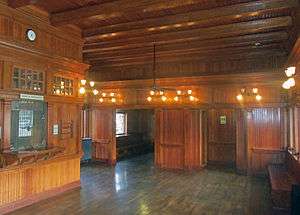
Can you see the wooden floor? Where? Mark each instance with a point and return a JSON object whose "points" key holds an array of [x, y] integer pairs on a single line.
{"points": [[136, 187]]}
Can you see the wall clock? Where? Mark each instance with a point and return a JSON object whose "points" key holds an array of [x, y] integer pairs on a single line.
{"points": [[31, 35]]}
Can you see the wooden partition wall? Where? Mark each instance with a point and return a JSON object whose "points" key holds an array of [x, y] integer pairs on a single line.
{"points": [[222, 136], [179, 141], [102, 131]]}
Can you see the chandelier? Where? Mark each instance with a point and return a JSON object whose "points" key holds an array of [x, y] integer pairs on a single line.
{"points": [[167, 94], [248, 93], [290, 82], [103, 96]]}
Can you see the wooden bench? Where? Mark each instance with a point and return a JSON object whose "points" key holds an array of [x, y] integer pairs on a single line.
{"points": [[282, 178]]}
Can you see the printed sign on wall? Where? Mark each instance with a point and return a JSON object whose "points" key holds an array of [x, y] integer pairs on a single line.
{"points": [[222, 120]]}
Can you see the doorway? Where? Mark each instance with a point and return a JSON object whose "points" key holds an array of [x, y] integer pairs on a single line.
{"points": [[222, 136], [134, 133]]}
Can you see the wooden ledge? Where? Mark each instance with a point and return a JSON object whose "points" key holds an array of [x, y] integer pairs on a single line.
{"points": [[42, 162]]}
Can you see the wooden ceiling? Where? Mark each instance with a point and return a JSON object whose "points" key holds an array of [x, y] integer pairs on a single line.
{"points": [[122, 32]]}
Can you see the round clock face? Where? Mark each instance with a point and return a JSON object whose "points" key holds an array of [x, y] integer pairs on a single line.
{"points": [[31, 35]]}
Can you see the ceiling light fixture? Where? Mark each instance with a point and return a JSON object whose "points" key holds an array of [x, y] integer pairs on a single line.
{"points": [[248, 93], [167, 94]]}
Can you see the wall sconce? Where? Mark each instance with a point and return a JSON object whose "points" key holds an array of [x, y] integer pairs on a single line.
{"points": [[290, 82]]}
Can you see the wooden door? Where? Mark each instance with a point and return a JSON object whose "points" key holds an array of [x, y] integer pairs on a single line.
{"points": [[102, 131], [178, 138], [222, 136]]}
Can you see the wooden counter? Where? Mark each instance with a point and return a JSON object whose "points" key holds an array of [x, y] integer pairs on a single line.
{"points": [[23, 185]]}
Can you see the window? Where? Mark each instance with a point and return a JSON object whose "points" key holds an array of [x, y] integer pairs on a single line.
{"points": [[28, 125], [29, 80], [121, 123], [62, 86], [25, 123]]}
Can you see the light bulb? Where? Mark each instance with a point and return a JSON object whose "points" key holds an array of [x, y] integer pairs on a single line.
{"points": [[258, 97], [82, 90], [239, 97], [161, 92], [62, 83], [113, 100], [101, 100], [95, 92], [83, 81], [163, 98], [189, 92], [176, 98], [290, 71], [103, 94], [291, 82], [255, 90], [57, 91], [152, 92], [92, 83], [112, 94], [179, 92], [286, 85], [149, 99], [192, 98]]}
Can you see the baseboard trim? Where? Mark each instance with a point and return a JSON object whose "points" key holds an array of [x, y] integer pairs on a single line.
{"points": [[7, 208]]}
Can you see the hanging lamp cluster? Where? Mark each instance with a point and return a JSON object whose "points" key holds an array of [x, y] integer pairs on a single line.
{"points": [[248, 93], [159, 94], [171, 95], [104, 97], [290, 72]]}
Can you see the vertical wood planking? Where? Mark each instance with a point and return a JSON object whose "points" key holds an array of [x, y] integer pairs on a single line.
{"points": [[103, 134], [27, 181], [179, 139], [265, 138]]}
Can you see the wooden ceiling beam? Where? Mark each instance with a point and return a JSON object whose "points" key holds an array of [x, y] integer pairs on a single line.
{"points": [[191, 54], [232, 13], [259, 37], [237, 29], [121, 8], [197, 24], [21, 3], [175, 48]]}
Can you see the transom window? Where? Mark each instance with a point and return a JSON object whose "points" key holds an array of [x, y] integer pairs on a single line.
{"points": [[29, 80], [121, 123], [63, 86]]}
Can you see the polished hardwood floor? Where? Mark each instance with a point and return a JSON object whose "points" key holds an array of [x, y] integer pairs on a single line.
{"points": [[135, 186]]}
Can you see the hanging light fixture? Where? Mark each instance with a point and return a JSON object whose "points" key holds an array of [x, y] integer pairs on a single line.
{"points": [[161, 94], [248, 93], [104, 97]]}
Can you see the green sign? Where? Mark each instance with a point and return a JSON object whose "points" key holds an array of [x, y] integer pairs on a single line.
{"points": [[223, 120]]}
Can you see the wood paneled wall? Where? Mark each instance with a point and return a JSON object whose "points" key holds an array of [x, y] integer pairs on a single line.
{"points": [[181, 68], [222, 137], [29, 181], [179, 139], [65, 115], [51, 41], [265, 137]]}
